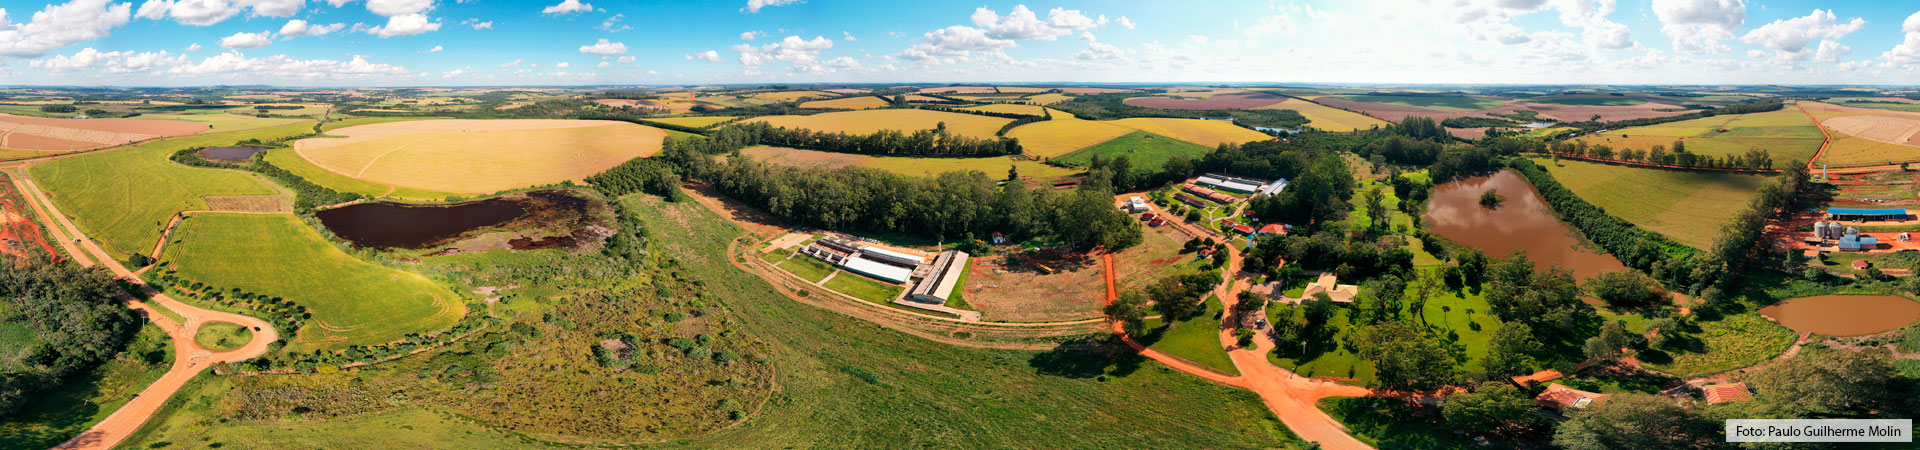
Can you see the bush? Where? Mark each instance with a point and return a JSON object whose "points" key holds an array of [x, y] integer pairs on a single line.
{"points": [[59, 108]]}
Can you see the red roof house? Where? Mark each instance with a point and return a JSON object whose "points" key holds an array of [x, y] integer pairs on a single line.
{"points": [[1726, 393]]}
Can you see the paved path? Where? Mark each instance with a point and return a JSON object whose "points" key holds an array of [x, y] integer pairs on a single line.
{"points": [[189, 357]]}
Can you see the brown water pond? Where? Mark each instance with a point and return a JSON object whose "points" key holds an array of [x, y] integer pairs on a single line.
{"points": [[396, 225], [1844, 315], [1522, 222], [235, 153]]}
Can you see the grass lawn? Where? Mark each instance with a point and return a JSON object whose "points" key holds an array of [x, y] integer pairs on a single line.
{"points": [[124, 197], [1436, 102], [220, 336], [1689, 207], [1327, 356], [1726, 344], [53, 416], [862, 287], [1196, 339], [807, 267], [1465, 334], [1147, 151], [353, 302]]}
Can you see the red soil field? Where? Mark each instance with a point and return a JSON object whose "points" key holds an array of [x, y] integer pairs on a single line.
{"points": [[17, 232], [1576, 113], [35, 133], [1245, 100]]}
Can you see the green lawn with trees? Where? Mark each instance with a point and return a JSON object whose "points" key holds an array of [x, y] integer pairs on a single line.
{"points": [[1195, 338]]}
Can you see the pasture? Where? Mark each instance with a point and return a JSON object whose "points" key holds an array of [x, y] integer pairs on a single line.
{"points": [[1327, 118], [479, 156], [993, 166], [1147, 151], [1060, 136], [861, 102], [1195, 339], [692, 121], [904, 120], [1786, 135], [353, 302], [1209, 133], [1689, 207], [123, 198], [220, 121]]}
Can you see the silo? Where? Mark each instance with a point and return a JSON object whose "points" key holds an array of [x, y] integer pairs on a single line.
{"points": [[1820, 229]]}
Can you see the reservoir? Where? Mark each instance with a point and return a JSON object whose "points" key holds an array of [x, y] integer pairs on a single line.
{"points": [[1522, 222]]}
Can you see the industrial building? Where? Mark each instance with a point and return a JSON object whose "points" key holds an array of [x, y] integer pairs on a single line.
{"points": [[890, 256], [1867, 214], [943, 279], [878, 263]]}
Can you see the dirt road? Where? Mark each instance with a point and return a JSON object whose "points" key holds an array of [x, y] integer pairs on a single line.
{"points": [[189, 357]]}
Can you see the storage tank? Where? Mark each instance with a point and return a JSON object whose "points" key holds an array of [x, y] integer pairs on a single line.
{"points": [[1851, 231], [1820, 229]]}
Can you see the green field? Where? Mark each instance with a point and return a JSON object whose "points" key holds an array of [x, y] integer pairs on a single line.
{"points": [[1786, 135], [841, 383], [53, 416], [1436, 102], [353, 302], [1328, 356], [808, 268], [221, 121], [1730, 343], [1462, 321], [1196, 339], [124, 197], [1147, 151], [1588, 100], [862, 287], [220, 336], [1689, 207]]}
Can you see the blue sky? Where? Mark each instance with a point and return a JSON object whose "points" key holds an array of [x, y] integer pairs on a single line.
{"points": [[585, 42]]}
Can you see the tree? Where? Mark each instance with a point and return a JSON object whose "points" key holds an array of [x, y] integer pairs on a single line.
{"points": [[1403, 357], [1491, 198], [1509, 352], [1317, 310], [1626, 289], [58, 108], [1129, 310], [1606, 346], [1829, 383], [1548, 301], [1250, 303], [1635, 421], [1376, 210], [1491, 408]]}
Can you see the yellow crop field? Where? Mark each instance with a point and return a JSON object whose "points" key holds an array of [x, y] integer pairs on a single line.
{"points": [[692, 121], [788, 96], [1009, 108], [1048, 99], [1064, 135], [479, 156], [1328, 118], [994, 166], [1204, 132], [906, 120], [861, 102]]}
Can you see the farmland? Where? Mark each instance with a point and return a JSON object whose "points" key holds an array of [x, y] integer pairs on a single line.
{"points": [[1209, 133], [905, 165], [1687, 206], [353, 302], [285, 158], [220, 121], [905, 120], [1235, 100], [861, 102], [479, 156], [1011, 108], [1061, 136], [692, 121], [1328, 119], [1786, 135], [1864, 136], [33, 133], [124, 197], [1589, 100], [1450, 103], [1147, 151]]}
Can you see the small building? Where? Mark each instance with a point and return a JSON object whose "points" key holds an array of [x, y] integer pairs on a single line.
{"points": [[828, 254], [1274, 188], [998, 239], [1190, 200], [1136, 204], [1272, 229], [1861, 265], [1148, 217], [1244, 229], [1235, 184], [891, 257], [884, 272], [1563, 399], [1867, 214], [939, 285], [1156, 222], [843, 245], [1812, 253], [1726, 393]]}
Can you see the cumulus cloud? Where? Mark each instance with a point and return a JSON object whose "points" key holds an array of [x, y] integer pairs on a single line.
{"points": [[194, 48], [247, 40], [568, 7], [112, 62], [626, 59], [802, 53], [391, 8], [60, 25], [753, 6], [844, 62], [1791, 37], [1908, 51], [563, 65], [477, 24], [604, 48], [513, 63], [709, 56], [848, 36], [1023, 24], [1698, 26], [613, 25], [436, 49], [603, 65], [404, 25], [297, 27], [1125, 22], [1100, 51], [1831, 51], [751, 35]]}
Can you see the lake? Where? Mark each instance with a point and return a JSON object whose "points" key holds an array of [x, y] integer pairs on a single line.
{"points": [[1522, 222]]}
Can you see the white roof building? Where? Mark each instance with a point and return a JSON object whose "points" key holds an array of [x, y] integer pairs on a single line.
{"points": [[891, 256], [880, 271], [1241, 185]]}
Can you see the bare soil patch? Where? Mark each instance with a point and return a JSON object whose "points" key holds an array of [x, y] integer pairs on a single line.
{"points": [[249, 203], [1243, 100], [1017, 288], [36, 133], [1879, 128]]}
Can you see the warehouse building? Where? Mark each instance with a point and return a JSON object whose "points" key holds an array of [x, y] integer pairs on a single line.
{"points": [[1235, 184], [944, 278]]}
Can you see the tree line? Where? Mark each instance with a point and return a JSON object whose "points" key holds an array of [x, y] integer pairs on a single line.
{"points": [[76, 320], [935, 142], [1659, 154]]}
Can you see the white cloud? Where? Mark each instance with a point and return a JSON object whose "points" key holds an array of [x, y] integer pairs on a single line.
{"points": [[1908, 51], [1023, 24], [477, 24], [567, 7], [753, 6], [391, 8], [1125, 22], [629, 59], [247, 40], [613, 25], [194, 48], [513, 63], [802, 53], [1912, 24], [563, 65], [844, 62], [404, 25], [848, 36], [453, 73], [709, 56], [1831, 51], [1100, 51], [61, 25], [283, 67], [604, 47], [751, 35], [297, 27], [602, 65], [111, 62], [1698, 26], [436, 49], [1791, 37]]}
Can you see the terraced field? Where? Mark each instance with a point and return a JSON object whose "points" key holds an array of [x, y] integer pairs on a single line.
{"points": [[906, 120], [1786, 135], [1689, 207]]}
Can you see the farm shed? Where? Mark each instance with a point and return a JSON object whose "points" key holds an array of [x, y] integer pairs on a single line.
{"points": [[884, 272], [938, 286], [1274, 188], [1726, 393], [892, 257], [1559, 397], [1235, 184], [1867, 214]]}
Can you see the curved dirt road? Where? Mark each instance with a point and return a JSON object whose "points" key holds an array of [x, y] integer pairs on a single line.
{"points": [[189, 357]]}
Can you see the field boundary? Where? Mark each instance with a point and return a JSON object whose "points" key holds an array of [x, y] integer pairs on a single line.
{"points": [[1659, 166]]}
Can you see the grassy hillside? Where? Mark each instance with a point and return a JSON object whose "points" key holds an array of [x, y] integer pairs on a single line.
{"points": [[1689, 207], [1147, 151]]}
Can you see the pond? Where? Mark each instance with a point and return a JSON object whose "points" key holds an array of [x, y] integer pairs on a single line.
{"points": [[233, 153], [396, 225], [1844, 315], [1522, 222]]}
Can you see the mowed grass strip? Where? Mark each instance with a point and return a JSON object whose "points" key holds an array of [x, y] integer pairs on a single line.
{"points": [[353, 302], [807, 268], [1327, 118], [863, 288], [1210, 133], [1689, 207], [1195, 339], [479, 156], [124, 197], [1147, 151], [904, 120]]}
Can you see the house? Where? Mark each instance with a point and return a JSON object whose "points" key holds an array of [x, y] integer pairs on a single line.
{"points": [[1272, 229], [1726, 393], [1243, 229], [1228, 224], [938, 286], [1861, 265], [1136, 204], [998, 239], [1559, 397]]}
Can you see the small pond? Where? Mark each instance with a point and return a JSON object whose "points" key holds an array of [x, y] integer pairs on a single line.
{"points": [[1523, 221], [395, 225], [234, 153], [1844, 315]]}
